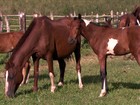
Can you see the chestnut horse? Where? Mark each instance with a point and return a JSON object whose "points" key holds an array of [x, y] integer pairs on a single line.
{"points": [[136, 13], [45, 39], [8, 42], [108, 41], [130, 19]]}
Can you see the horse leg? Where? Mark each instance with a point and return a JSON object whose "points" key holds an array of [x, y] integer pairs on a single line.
{"points": [[62, 66], [36, 72], [78, 65], [137, 56], [51, 73], [103, 74], [25, 73]]}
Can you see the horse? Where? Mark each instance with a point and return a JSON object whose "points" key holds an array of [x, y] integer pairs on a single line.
{"points": [[8, 42], [106, 41], [46, 39], [136, 13], [130, 19]]}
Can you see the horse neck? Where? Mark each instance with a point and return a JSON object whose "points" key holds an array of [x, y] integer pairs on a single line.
{"points": [[88, 31], [21, 55], [23, 50]]}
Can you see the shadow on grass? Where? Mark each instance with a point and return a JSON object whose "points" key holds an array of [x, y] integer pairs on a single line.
{"points": [[128, 85], [89, 79]]}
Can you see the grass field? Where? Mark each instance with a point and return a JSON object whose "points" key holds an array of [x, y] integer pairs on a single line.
{"points": [[123, 83], [64, 7]]}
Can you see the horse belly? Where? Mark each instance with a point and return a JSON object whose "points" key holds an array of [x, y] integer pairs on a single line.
{"points": [[121, 50], [64, 52]]}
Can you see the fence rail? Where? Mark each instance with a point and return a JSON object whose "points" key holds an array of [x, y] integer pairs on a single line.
{"points": [[21, 21]]}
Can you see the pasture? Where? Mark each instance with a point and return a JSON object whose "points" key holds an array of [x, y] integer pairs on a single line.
{"points": [[123, 82]]}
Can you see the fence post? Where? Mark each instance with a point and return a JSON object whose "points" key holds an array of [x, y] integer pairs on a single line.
{"points": [[74, 14], [22, 21], [112, 15], [7, 24], [97, 18], [51, 16], [92, 16], [35, 15], [1, 22]]}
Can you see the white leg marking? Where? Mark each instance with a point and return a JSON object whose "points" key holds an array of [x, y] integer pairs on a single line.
{"points": [[52, 82], [86, 21], [111, 45], [80, 80], [103, 91], [6, 82]]}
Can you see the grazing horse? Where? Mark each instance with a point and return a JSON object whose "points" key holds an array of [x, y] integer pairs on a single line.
{"points": [[108, 41], [45, 39], [8, 42]]}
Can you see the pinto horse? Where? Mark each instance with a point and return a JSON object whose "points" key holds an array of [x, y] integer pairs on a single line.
{"points": [[106, 41], [45, 39], [8, 42]]}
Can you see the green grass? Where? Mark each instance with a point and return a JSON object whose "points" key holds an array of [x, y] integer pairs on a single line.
{"points": [[123, 83]]}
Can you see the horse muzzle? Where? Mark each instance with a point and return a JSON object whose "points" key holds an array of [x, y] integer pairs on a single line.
{"points": [[10, 94]]}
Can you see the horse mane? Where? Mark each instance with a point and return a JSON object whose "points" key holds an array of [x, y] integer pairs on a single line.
{"points": [[137, 9], [127, 21]]}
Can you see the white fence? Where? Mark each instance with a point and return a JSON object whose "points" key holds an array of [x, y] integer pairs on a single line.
{"points": [[21, 21]]}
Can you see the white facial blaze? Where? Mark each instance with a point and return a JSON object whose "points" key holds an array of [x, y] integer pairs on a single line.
{"points": [[6, 82], [138, 22], [86, 21], [111, 45]]}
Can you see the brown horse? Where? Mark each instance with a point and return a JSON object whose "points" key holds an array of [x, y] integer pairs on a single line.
{"points": [[108, 41], [130, 19], [127, 20], [45, 39], [8, 41], [136, 13]]}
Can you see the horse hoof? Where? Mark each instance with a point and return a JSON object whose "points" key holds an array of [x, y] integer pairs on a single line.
{"points": [[81, 86], [102, 94], [60, 84], [53, 89], [35, 89]]}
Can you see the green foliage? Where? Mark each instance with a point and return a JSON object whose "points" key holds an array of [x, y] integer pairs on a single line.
{"points": [[3, 58], [64, 7]]}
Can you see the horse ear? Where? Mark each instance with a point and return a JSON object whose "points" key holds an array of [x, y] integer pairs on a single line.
{"points": [[79, 16]]}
